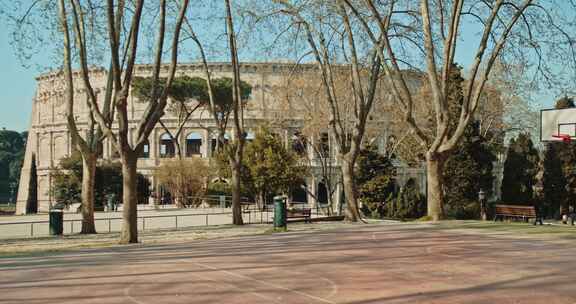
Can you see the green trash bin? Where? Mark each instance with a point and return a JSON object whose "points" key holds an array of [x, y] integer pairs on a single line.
{"points": [[56, 216], [280, 213]]}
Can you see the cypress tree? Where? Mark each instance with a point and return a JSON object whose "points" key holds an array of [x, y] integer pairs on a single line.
{"points": [[559, 179], [376, 183], [520, 169], [554, 181], [32, 202], [468, 170]]}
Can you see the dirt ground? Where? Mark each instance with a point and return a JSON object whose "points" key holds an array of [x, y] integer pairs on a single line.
{"points": [[384, 263]]}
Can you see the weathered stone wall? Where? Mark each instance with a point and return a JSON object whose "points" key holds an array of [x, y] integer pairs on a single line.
{"points": [[49, 139]]}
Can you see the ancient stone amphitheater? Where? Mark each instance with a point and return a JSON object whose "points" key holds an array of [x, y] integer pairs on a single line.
{"points": [[49, 138]]}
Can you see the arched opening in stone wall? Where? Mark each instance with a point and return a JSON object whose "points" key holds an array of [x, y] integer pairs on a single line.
{"points": [[167, 149], [299, 143], [299, 194], [214, 139], [193, 144], [250, 136], [322, 193], [145, 152], [324, 146]]}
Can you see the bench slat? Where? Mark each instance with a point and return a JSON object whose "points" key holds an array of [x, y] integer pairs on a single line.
{"points": [[510, 210], [525, 212], [300, 213]]}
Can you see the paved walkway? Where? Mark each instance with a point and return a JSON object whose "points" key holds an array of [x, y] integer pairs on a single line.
{"points": [[104, 215], [362, 264], [37, 225]]}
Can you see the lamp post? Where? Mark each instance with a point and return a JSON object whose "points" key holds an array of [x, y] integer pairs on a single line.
{"points": [[482, 200]]}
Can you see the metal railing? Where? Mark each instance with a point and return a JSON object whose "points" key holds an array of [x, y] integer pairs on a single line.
{"points": [[222, 201], [150, 222]]}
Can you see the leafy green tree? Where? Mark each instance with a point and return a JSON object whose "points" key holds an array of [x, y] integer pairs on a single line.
{"points": [[520, 169], [564, 103], [409, 203], [271, 168], [186, 90], [467, 171], [375, 178], [67, 182], [268, 167], [12, 149], [554, 182], [186, 95]]}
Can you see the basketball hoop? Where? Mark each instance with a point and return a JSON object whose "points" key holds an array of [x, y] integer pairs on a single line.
{"points": [[565, 137]]}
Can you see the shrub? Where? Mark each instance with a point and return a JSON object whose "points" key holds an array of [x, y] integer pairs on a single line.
{"points": [[407, 204], [185, 179], [464, 209], [375, 179], [67, 182], [467, 171]]}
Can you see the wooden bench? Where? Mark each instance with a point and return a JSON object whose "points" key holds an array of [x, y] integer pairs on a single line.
{"points": [[523, 212], [304, 213]]}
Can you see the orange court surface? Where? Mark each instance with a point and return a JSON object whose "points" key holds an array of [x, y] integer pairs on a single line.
{"points": [[391, 263]]}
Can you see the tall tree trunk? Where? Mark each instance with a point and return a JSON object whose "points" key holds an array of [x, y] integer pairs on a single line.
{"points": [[129, 232], [260, 200], [180, 195], [336, 205], [352, 210], [88, 176], [434, 166], [331, 202], [236, 194], [178, 149]]}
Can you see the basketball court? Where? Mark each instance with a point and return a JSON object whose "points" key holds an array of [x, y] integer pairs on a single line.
{"points": [[391, 263]]}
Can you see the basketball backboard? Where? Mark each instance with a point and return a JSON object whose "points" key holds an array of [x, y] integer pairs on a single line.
{"points": [[556, 123]]}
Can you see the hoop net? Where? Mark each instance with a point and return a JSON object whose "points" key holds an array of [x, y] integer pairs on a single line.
{"points": [[564, 137]]}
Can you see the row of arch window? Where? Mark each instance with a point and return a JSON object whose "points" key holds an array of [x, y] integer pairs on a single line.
{"points": [[194, 141], [192, 146]]}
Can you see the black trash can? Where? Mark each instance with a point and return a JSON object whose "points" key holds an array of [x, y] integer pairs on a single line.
{"points": [[56, 215], [280, 213]]}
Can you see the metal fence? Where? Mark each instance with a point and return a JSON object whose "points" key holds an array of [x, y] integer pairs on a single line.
{"points": [[145, 223]]}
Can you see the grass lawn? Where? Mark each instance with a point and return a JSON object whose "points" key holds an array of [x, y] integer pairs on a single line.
{"points": [[511, 230], [547, 231]]}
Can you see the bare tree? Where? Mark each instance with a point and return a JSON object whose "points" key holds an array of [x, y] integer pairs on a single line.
{"points": [[437, 28], [185, 179], [330, 34], [122, 73], [235, 151], [89, 146], [300, 95]]}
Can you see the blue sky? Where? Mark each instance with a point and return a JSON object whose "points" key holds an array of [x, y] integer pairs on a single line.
{"points": [[17, 89], [18, 84]]}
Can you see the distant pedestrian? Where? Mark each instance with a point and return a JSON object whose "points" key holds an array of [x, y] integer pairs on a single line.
{"points": [[112, 202]]}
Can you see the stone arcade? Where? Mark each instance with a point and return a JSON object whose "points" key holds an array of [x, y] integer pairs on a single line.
{"points": [[49, 139]]}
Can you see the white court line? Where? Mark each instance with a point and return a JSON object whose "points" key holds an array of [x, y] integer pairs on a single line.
{"points": [[332, 283], [127, 291], [264, 283]]}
